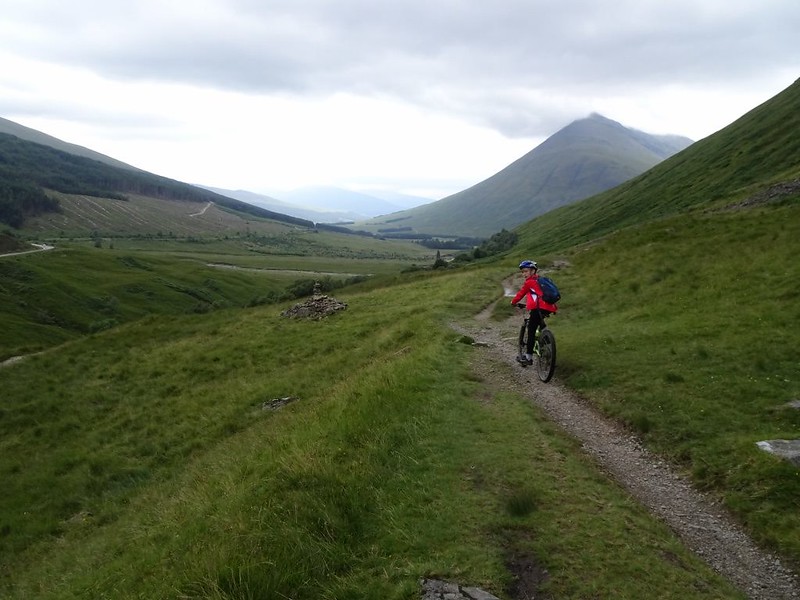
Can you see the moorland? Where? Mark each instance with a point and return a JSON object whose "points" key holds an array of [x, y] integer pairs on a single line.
{"points": [[141, 456]]}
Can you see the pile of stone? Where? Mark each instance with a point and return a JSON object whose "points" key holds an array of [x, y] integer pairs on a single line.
{"points": [[317, 307], [434, 589], [773, 193]]}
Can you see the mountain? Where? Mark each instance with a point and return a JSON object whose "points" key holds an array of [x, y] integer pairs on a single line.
{"points": [[587, 157], [334, 199], [403, 201], [32, 135], [33, 174], [755, 156], [273, 204]]}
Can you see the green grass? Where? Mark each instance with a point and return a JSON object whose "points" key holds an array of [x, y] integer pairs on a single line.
{"points": [[158, 473], [138, 461], [685, 329], [51, 297]]}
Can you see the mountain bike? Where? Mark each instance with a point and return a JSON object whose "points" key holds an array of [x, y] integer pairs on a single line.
{"points": [[544, 347]]}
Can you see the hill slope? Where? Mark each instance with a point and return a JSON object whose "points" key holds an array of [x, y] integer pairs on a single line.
{"points": [[758, 150], [29, 171], [681, 310], [333, 205], [586, 157], [32, 135], [397, 459]]}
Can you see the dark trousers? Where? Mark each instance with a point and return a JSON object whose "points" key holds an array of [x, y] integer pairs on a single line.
{"points": [[534, 321]]}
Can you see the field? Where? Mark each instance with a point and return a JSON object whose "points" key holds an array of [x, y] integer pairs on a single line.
{"points": [[391, 461], [91, 284], [168, 434]]}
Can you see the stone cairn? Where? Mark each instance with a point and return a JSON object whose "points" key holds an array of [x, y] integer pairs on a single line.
{"points": [[434, 589], [315, 308]]}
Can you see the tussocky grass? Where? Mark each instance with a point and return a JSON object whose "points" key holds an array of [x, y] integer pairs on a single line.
{"points": [[142, 463], [685, 329], [53, 297]]}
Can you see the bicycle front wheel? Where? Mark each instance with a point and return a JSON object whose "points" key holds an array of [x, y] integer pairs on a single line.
{"points": [[546, 363]]}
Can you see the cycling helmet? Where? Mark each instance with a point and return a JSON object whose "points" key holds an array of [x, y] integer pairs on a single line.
{"points": [[528, 264]]}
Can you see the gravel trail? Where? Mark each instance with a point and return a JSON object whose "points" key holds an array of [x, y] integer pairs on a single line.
{"points": [[702, 524]]}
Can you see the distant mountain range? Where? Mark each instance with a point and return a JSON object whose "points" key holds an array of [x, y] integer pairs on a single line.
{"points": [[326, 204], [585, 158]]}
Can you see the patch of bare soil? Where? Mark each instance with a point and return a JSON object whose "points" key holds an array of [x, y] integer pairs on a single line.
{"points": [[702, 524]]}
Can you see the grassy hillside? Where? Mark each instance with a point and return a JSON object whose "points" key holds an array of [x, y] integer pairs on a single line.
{"points": [[81, 215], [586, 157], [51, 297], [28, 171], [681, 305], [161, 471], [151, 460], [685, 330]]}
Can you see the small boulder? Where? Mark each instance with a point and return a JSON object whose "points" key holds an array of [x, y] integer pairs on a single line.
{"points": [[787, 449]]}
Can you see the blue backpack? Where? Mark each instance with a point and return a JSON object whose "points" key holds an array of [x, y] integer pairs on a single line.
{"points": [[550, 293]]}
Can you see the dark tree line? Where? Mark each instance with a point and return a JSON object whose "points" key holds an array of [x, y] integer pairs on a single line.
{"points": [[459, 243], [499, 242], [20, 200]]}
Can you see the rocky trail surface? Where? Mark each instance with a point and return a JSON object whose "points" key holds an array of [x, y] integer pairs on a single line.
{"points": [[702, 524]]}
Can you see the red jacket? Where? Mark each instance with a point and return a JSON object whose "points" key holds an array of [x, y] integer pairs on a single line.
{"points": [[533, 293]]}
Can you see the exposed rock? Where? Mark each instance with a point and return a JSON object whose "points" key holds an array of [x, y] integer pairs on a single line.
{"points": [[773, 193], [277, 403], [435, 589], [788, 449]]}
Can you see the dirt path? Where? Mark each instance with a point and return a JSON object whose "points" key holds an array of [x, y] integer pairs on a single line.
{"points": [[39, 248], [701, 523], [202, 212]]}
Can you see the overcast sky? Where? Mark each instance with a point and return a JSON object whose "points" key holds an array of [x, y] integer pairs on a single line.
{"points": [[417, 96]]}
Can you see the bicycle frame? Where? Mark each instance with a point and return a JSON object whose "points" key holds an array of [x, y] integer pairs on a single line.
{"points": [[524, 329], [544, 346]]}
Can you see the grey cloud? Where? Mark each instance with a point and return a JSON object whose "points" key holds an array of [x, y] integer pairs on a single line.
{"points": [[496, 63], [107, 117]]}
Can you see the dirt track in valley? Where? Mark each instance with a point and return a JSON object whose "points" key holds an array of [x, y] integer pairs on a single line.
{"points": [[702, 524]]}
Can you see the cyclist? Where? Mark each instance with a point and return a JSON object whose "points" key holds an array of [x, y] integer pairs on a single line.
{"points": [[534, 303]]}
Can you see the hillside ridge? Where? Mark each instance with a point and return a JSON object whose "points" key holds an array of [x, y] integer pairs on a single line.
{"points": [[38, 137], [584, 158], [758, 150], [31, 171]]}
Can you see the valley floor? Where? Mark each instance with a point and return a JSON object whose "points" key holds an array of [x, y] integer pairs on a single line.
{"points": [[702, 524]]}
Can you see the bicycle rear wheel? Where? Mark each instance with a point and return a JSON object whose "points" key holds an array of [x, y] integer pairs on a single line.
{"points": [[546, 360]]}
